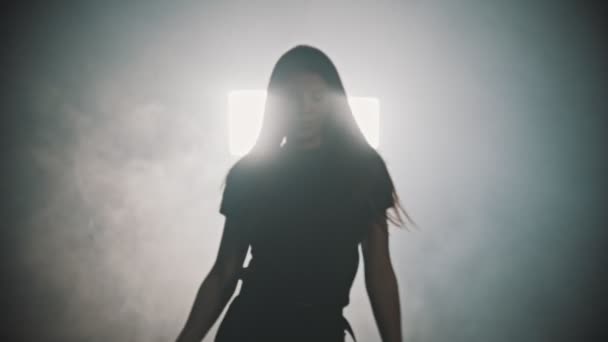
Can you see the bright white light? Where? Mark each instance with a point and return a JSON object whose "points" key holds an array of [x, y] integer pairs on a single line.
{"points": [[366, 111], [245, 113], [246, 110]]}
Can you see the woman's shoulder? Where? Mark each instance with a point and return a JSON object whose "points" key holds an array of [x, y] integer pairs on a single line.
{"points": [[246, 170], [380, 180], [376, 165], [240, 171]]}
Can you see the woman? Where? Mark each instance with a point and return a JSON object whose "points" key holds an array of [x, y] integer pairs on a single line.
{"points": [[307, 194]]}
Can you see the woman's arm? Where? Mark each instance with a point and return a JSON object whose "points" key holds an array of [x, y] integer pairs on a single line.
{"points": [[381, 283], [219, 285]]}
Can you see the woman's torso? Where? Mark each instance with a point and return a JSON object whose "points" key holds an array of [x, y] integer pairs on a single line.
{"points": [[304, 245]]}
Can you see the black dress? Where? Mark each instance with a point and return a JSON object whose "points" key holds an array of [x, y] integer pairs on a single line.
{"points": [[304, 233]]}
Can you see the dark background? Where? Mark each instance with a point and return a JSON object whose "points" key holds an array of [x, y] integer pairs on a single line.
{"points": [[114, 145]]}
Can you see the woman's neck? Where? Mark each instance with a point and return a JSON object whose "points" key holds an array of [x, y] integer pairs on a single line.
{"points": [[307, 145]]}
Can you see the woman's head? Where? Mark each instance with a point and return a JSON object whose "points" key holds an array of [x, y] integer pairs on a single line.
{"points": [[307, 106], [306, 100]]}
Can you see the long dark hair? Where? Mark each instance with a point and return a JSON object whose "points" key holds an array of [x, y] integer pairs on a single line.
{"points": [[357, 161]]}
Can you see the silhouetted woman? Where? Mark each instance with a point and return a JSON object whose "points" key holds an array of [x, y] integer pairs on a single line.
{"points": [[307, 194]]}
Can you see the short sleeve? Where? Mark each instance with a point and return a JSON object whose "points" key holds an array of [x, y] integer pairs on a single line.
{"points": [[381, 190], [232, 202]]}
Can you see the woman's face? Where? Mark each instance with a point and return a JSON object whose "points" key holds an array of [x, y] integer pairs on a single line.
{"points": [[306, 105]]}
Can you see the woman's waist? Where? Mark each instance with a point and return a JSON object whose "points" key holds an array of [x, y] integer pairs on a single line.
{"points": [[285, 299]]}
